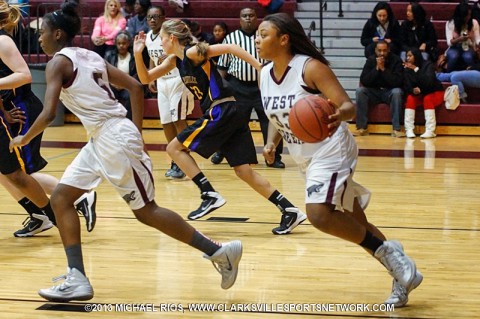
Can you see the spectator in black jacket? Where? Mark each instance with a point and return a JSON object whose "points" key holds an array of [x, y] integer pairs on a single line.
{"points": [[418, 32], [382, 26], [122, 58], [422, 89], [381, 82]]}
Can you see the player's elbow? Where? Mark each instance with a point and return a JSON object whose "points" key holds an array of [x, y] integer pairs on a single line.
{"points": [[50, 117]]}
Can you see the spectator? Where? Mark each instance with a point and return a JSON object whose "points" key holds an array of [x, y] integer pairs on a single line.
{"points": [[122, 58], [422, 88], [418, 32], [463, 36], [128, 10], [466, 78], [382, 26], [243, 79], [381, 82], [139, 22], [220, 31], [200, 35], [107, 27]]}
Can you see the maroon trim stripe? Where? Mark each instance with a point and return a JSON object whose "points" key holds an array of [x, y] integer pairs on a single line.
{"points": [[149, 173], [331, 187], [140, 187]]}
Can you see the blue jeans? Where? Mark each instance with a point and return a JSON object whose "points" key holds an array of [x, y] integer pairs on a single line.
{"points": [[469, 78], [455, 56], [371, 96]]}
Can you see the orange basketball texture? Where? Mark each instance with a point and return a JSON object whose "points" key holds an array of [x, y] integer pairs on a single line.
{"points": [[309, 120]]}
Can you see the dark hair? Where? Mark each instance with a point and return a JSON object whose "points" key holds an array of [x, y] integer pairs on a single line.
{"points": [[417, 55], [461, 11], [160, 8], [299, 42], [66, 19], [145, 4], [222, 24], [382, 5], [130, 2], [419, 13]]}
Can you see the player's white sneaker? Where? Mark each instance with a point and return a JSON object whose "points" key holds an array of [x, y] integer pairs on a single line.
{"points": [[399, 265], [75, 287], [399, 295], [291, 218], [34, 224], [226, 260], [210, 202]]}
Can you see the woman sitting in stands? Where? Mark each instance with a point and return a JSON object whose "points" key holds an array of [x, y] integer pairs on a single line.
{"points": [[418, 32], [463, 37], [466, 78], [107, 27], [422, 89], [381, 26], [122, 58]]}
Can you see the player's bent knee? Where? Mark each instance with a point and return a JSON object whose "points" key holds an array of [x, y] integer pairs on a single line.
{"points": [[319, 218]]}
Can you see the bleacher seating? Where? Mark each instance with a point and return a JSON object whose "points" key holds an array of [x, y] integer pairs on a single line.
{"points": [[467, 116], [205, 12]]}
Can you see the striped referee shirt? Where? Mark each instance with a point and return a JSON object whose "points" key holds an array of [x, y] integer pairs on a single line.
{"points": [[233, 64]]}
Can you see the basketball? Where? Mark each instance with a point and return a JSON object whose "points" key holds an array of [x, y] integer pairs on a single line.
{"points": [[309, 120]]}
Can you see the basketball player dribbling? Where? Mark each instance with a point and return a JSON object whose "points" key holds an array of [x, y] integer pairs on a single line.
{"points": [[335, 203], [114, 152]]}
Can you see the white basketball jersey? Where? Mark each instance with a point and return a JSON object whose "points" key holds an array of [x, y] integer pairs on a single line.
{"points": [[88, 95], [278, 97], [155, 51]]}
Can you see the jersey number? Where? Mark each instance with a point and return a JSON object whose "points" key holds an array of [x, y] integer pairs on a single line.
{"points": [[195, 90]]}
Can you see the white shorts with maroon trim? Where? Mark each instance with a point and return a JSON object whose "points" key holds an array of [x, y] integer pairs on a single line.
{"points": [[115, 154]]}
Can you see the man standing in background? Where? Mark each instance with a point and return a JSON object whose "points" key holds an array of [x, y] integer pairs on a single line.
{"points": [[243, 79]]}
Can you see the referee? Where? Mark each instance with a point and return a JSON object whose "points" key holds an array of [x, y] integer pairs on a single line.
{"points": [[243, 79]]}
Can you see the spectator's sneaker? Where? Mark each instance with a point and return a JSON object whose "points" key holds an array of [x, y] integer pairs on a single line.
{"points": [[34, 224], [360, 132], [210, 202], [226, 260], [399, 295], [291, 218], [177, 173], [398, 134], [399, 265], [217, 158], [85, 206], [75, 287]]}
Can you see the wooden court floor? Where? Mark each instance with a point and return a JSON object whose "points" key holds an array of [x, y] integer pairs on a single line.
{"points": [[425, 194]]}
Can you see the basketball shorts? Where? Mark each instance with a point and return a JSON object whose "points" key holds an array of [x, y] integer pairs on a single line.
{"points": [[220, 128], [175, 101], [28, 157], [329, 175], [114, 154]]}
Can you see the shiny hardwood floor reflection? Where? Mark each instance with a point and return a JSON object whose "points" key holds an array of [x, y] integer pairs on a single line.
{"points": [[425, 194]]}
